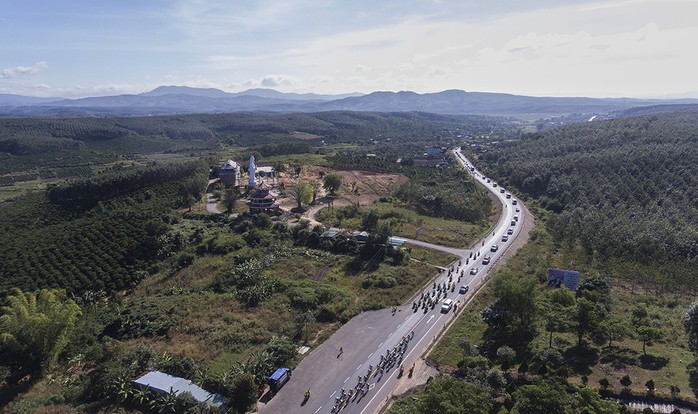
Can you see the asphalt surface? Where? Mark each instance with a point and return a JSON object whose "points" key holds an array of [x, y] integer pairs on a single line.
{"points": [[401, 335]]}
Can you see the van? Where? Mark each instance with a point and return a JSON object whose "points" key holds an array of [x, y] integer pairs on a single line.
{"points": [[279, 378]]}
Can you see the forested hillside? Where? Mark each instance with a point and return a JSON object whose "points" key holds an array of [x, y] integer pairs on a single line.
{"points": [[624, 188]]}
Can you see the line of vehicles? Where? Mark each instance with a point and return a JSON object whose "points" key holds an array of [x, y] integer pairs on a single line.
{"points": [[428, 300]]}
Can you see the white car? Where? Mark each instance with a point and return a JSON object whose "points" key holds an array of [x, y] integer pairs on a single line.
{"points": [[446, 305], [510, 232], [505, 238], [473, 271]]}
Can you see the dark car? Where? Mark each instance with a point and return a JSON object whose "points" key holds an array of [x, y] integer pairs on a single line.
{"points": [[494, 248], [486, 260], [463, 289]]}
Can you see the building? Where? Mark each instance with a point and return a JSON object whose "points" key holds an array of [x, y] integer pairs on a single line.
{"points": [[162, 383], [261, 200], [230, 173]]}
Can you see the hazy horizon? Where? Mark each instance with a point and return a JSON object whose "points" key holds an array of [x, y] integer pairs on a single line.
{"points": [[614, 48]]}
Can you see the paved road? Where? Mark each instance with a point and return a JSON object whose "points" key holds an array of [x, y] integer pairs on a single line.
{"points": [[405, 332]]}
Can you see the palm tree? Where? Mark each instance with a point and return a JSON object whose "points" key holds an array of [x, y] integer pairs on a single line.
{"points": [[303, 320], [36, 325]]}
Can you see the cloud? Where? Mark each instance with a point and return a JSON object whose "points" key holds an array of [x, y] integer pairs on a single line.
{"points": [[269, 81], [23, 70]]}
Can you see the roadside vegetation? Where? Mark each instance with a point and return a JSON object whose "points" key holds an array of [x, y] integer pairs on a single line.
{"points": [[136, 276], [615, 201]]}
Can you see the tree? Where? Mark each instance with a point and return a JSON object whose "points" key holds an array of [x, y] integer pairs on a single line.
{"points": [[303, 320], [586, 319], [690, 323], [35, 325], [506, 355], [648, 334], [552, 359], [230, 196], [332, 182], [301, 193], [316, 186], [556, 311], [604, 383], [614, 330], [543, 397], [626, 382], [447, 395], [650, 386]]}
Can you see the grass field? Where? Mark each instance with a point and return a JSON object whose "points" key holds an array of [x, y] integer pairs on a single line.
{"points": [[446, 232]]}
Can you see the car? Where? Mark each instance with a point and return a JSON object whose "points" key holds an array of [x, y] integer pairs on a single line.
{"points": [[446, 305], [494, 185], [474, 270], [463, 289], [510, 232], [494, 248], [516, 217], [508, 195], [489, 181], [517, 209], [513, 201], [501, 190], [486, 260], [513, 222], [505, 238]]}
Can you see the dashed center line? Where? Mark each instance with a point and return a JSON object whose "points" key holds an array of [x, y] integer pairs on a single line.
{"points": [[345, 381], [370, 355], [318, 409], [335, 392], [357, 368]]}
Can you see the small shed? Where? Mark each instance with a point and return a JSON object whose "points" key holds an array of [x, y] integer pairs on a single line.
{"points": [[165, 383]]}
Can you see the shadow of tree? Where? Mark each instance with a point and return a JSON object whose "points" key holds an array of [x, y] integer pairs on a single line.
{"points": [[653, 362], [619, 357], [581, 358]]}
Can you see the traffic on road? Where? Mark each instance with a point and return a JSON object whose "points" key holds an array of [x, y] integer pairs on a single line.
{"points": [[379, 349]]}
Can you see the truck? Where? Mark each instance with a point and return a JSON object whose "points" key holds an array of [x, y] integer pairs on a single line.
{"points": [[278, 379]]}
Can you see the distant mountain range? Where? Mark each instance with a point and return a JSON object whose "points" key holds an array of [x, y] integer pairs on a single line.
{"points": [[182, 99]]}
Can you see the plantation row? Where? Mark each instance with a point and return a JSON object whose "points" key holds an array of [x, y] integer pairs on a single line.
{"points": [[103, 243], [624, 187]]}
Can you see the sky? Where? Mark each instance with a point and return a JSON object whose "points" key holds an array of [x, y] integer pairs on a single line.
{"points": [[609, 48]]}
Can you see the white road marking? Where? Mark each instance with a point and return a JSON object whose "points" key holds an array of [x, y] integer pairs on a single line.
{"points": [[318, 409], [357, 368], [335, 392], [390, 334], [345, 381], [370, 355], [430, 318], [371, 386]]}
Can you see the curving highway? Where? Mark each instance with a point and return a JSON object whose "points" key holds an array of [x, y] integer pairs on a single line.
{"points": [[356, 370]]}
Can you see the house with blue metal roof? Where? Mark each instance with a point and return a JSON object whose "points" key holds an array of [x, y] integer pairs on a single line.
{"points": [[165, 383]]}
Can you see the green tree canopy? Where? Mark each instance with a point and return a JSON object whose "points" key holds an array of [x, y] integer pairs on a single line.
{"points": [[35, 326], [332, 182], [447, 395]]}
